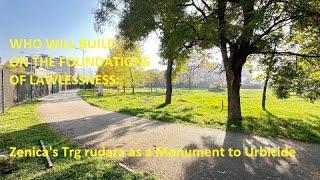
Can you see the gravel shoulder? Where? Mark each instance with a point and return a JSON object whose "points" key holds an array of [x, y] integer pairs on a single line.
{"points": [[92, 127]]}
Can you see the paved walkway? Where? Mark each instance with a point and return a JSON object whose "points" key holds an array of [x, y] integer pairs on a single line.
{"points": [[93, 127]]}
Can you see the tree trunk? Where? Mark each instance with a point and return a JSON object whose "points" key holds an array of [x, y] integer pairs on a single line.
{"points": [[124, 89], [264, 94], [234, 83], [132, 80], [151, 87], [234, 55], [169, 82]]}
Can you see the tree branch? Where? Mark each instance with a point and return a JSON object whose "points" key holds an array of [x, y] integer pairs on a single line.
{"points": [[269, 30], [288, 53], [206, 4], [221, 18], [199, 9], [195, 6]]}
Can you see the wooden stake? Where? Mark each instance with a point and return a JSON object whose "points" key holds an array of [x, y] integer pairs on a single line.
{"points": [[221, 105], [50, 164], [126, 167]]}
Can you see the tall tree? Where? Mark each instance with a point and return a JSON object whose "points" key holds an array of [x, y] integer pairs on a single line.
{"points": [[238, 27], [199, 61], [128, 74], [151, 78], [264, 66], [145, 18]]}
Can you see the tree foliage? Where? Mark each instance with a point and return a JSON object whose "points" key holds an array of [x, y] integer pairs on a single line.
{"points": [[238, 27], [127, 76]]}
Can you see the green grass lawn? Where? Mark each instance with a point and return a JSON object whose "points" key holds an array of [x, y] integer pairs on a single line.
{"points": [[294, 118], [20, 127]]}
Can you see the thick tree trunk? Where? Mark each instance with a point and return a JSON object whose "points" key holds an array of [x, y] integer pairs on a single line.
{"points": [[264, 94], [234, 83], [132, 89], [169, 82], [151, 87], [234, 55]]}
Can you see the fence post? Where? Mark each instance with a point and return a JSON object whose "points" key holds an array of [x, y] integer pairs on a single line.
{"points": [[31, 91], [2, 90], [17, 90]]}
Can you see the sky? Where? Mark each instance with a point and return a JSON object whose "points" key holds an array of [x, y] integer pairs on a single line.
{"points": [[58, 19]]}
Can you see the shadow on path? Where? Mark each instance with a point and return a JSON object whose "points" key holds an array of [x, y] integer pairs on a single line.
{"points": [[99, 128], [304, 166]]}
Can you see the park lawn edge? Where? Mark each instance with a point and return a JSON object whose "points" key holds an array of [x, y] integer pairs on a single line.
{"points": [[21, 127], [245, 130]]}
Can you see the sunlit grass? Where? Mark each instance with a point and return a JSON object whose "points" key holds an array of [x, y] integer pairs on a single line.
{"points": [[294, 118]]}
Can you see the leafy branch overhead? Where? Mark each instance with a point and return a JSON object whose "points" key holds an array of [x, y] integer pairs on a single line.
{"points": [[239, 28]]}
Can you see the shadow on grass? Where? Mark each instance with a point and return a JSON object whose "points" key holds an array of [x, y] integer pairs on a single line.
{"points": [[64, 167], [157, 114], [93, 93], [134, 111], [161, 106], [234, 125], [23, 131], [148, 113], [274, 126], [267, 124], [90, 169]]}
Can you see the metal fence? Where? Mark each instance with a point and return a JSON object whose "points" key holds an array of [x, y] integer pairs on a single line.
{"points": [[14, 94]]}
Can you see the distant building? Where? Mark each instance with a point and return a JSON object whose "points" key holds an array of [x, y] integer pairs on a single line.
{"points": [[64, 69], [38, 70]]}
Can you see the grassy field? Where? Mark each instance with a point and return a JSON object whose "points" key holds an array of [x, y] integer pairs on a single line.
{"points": [[293, 118], [20, 127]]}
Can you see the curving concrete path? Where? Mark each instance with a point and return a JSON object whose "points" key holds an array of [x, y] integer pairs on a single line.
{"points": [[93, 127]]}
